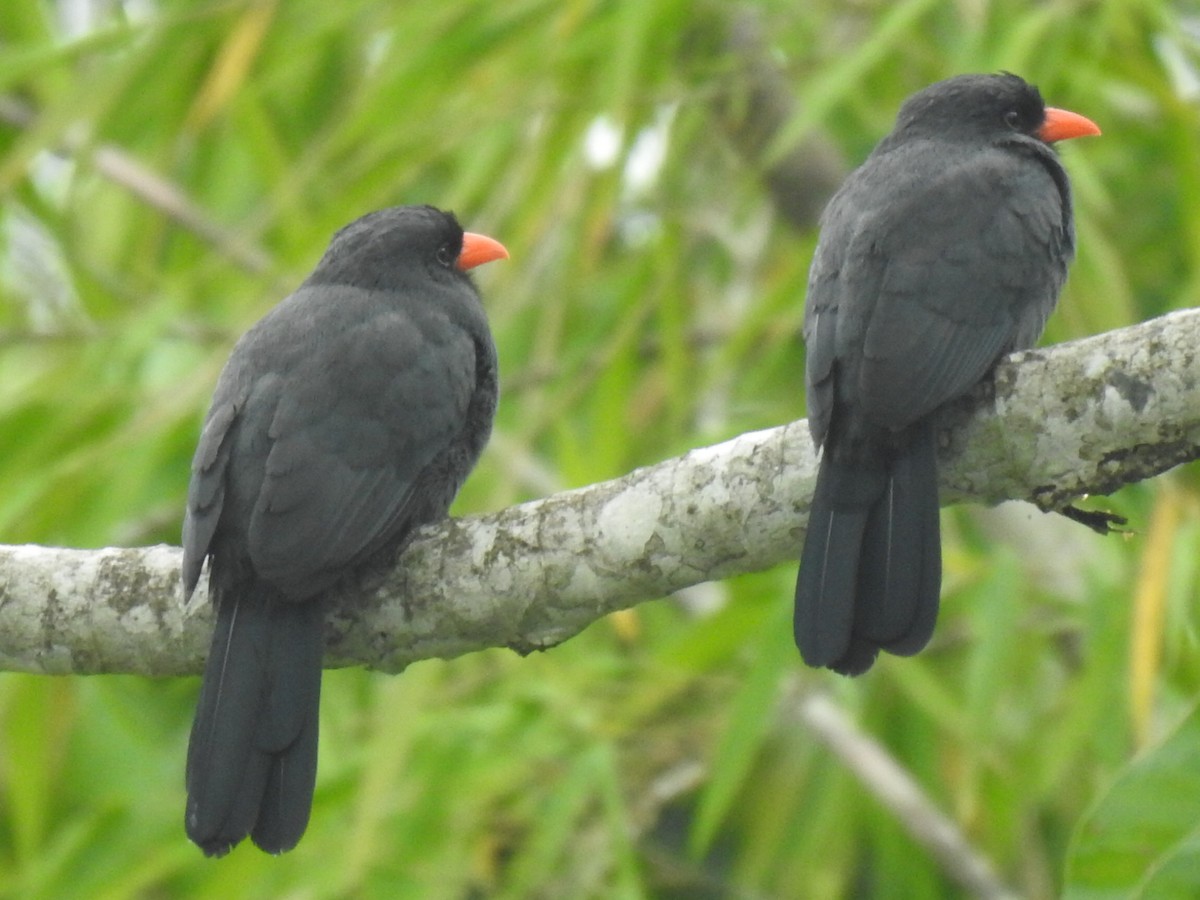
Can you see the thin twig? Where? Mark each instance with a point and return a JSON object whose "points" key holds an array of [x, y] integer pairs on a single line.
{"points": [[893, 786], [121, 169]]}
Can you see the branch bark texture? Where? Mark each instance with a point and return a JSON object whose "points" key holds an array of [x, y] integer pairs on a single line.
{"points": [[1084, 417]]}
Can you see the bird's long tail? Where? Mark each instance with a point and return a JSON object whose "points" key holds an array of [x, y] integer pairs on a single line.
{"points": [[252, 758], [871, 569]]}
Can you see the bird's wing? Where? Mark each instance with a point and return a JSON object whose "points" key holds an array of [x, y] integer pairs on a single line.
{"points": [[352, 447], [206, 490], [825, 289], [974, 273], [965, 269]]}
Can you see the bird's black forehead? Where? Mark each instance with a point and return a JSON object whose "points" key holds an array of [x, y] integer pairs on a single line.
{"points": [[414, 224], [967, 97]]}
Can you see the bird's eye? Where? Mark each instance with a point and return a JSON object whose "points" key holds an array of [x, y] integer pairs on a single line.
{"points": [[446, 255], [1012, 119]]}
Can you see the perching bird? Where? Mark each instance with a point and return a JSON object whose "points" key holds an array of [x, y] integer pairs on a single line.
{"points": [[348, 416], [944, 251]]}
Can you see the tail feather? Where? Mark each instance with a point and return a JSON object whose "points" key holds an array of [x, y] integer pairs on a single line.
{"points": [[870, 572], [827, 584], [252, 757], [289, 734], [900, 573], [927, 555]]}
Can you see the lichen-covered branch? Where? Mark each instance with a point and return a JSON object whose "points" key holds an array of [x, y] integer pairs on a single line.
{"points": [[1080, 418]]}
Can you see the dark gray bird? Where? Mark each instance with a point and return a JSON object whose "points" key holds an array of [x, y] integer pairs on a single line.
{"points": [[348, 416], [944, 251]]}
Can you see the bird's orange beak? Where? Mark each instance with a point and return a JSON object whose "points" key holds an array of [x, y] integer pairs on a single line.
{"points": [[478, 249], [1062, 124]]}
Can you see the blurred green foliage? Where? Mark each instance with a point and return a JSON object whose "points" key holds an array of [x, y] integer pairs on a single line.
{"points": [[652, 304]]}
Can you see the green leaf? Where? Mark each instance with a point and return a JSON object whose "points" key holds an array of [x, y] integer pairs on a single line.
{"points": [[747, 726], [1142, 838]]}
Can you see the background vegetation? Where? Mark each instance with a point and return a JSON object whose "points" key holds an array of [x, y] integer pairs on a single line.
{"points": [[660, 227]]}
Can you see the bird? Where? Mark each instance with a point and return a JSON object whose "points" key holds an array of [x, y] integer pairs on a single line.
{"points": [[348, 416], [945, 250]]}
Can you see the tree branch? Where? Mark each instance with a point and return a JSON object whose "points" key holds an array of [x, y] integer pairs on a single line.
{"points": [[1080, 418]]}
